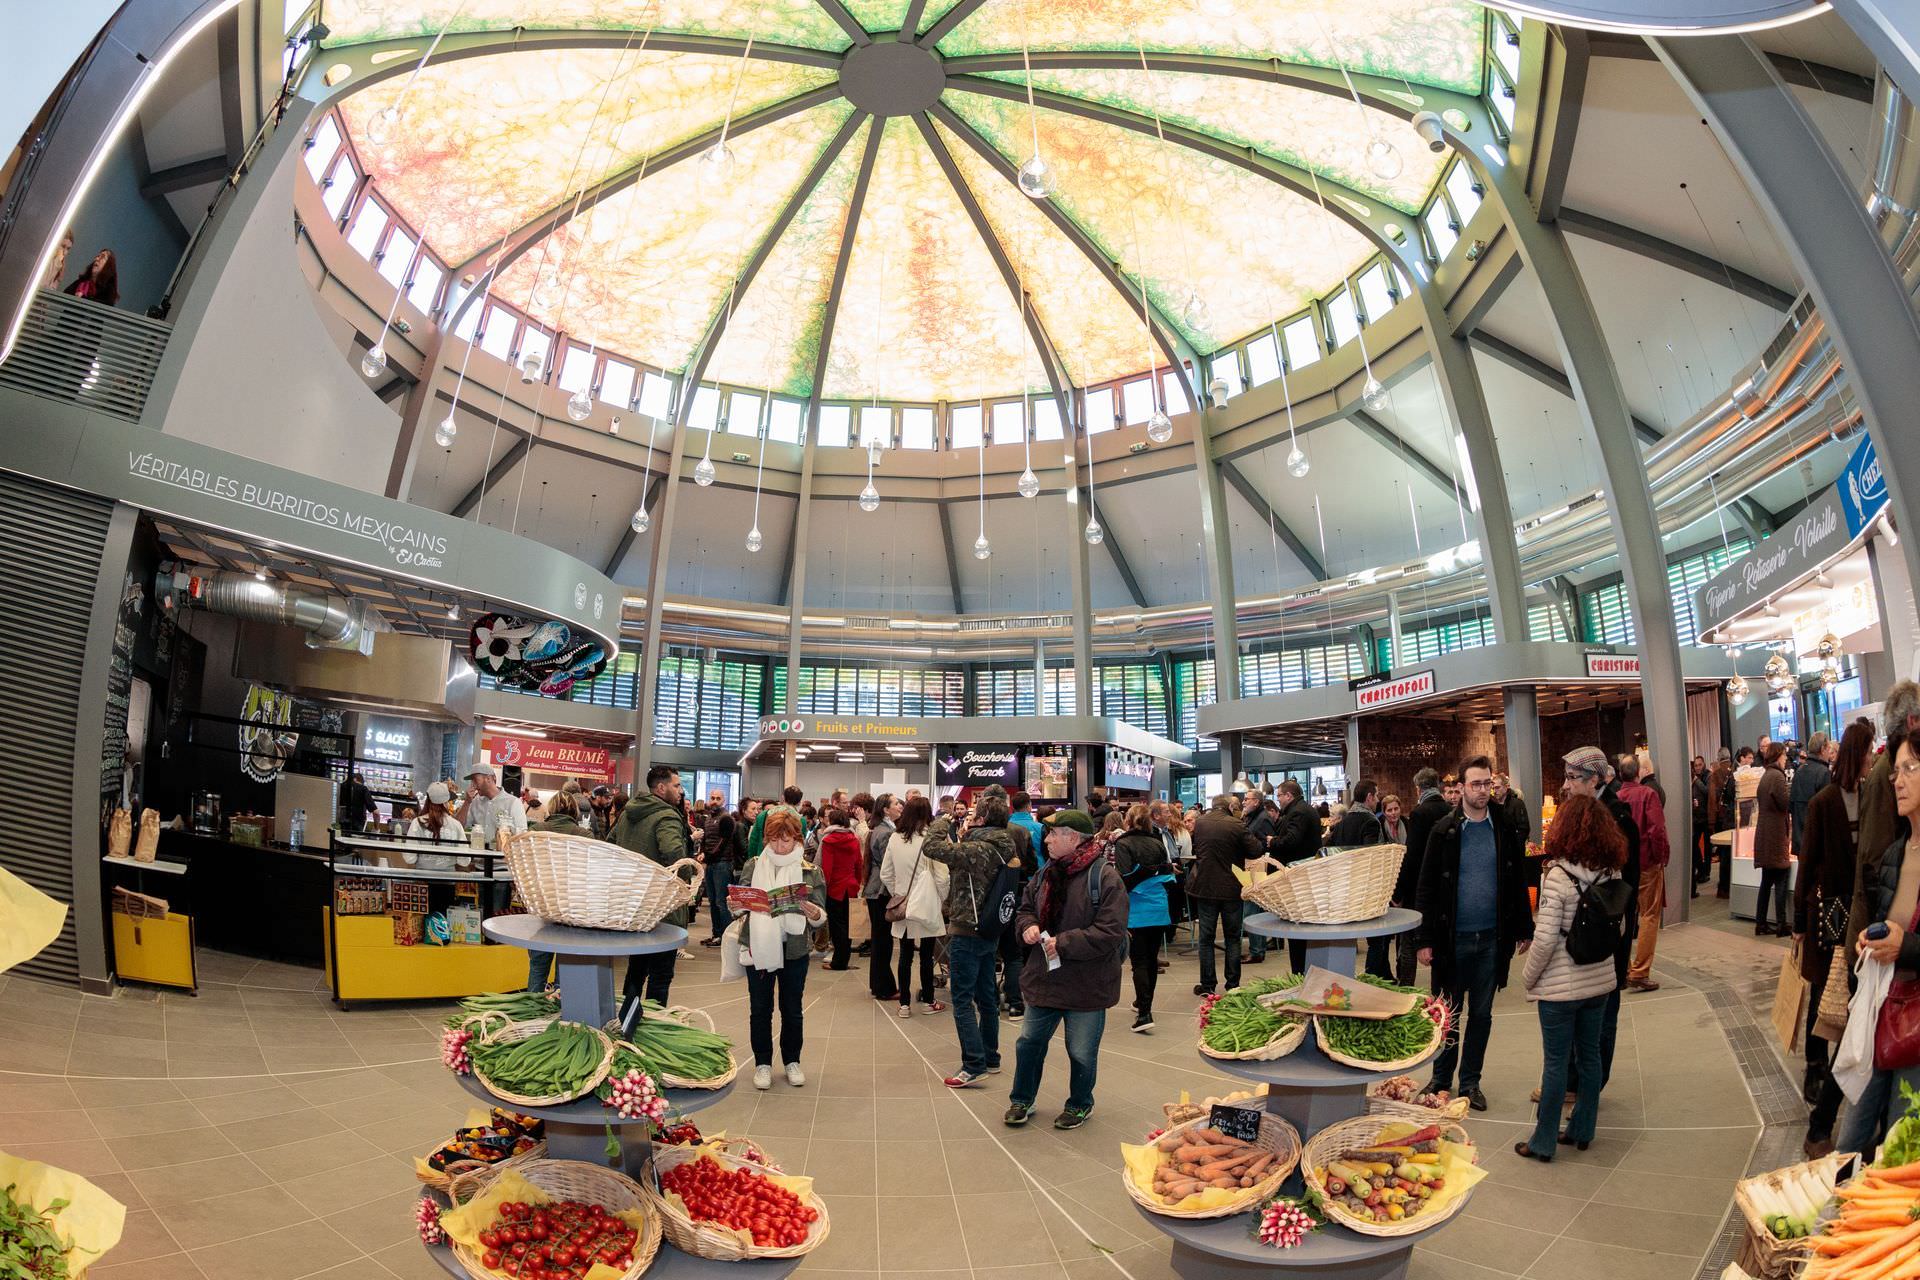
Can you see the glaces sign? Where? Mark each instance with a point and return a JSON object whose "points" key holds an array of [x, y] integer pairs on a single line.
{"points": [[1394, 689]]}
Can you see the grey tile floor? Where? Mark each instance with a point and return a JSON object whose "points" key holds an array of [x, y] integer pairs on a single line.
{"points": [[259, 1131]]}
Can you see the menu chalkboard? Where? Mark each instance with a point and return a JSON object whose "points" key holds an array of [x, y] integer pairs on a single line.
{"points": [[113, 737], [1236, 1122]]}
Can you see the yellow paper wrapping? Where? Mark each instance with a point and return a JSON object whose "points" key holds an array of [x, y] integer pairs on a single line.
{"points": [[29, 920], [464, 1225], [477, 1118], [1143, 1160], [92, 1220], [1459, 1173]]}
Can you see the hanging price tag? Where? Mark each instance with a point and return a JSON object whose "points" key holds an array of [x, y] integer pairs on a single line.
{"points": [[1236, 1122]]}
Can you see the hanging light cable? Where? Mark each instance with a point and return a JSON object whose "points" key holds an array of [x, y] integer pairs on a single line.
{"points": [[1383, 158], [640, 517], [1373, 394], [1093, 532], [1194, 310], [1035, 178], [981, 547], [1028, 486], [870, 495], [718, 159], [754, 540], [381, 124]]}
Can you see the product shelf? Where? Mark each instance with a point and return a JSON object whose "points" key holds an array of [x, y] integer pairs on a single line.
{"points": [[591, 1111]]}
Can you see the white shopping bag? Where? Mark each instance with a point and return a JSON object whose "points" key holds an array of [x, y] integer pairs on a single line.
{"points": [[731, 968], [1853, 1064]]}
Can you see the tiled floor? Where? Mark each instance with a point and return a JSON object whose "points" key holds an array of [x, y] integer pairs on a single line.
{"points": [[257, 1131]]}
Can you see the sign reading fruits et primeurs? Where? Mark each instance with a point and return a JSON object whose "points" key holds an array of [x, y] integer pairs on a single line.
{"points": [[1391, 689], [834, 727], [1618, 666]]}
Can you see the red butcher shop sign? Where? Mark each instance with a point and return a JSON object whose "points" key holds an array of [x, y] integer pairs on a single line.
{"points": [[564, 758]]}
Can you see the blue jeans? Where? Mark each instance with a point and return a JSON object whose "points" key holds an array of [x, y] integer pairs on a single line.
{"points": [[1569, 1033], [1880, 1105], [976, 1001], [1469, 989], [539, 965], [1084, 1027], [1211, 914], [719, 876]]}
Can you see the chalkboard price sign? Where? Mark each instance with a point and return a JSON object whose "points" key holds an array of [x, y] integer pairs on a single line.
{"points": [[1236, 1122]]}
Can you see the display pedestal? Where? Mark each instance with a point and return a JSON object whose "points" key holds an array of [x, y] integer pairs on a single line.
{"points": [[1311, 1091], [577, 1130]]}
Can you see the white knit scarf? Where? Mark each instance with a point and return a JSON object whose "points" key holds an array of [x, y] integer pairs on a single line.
{"points": [[766, 942]]}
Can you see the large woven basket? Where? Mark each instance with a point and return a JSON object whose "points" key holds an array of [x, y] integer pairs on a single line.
{"points": [[592, 884], [1367, 1064], [1278, 1047], [1353, 884], [1276, 1135], [1334, 1140], [687, 1014], [522, 1030], [567, 1180], [1394, 1109], [704, 1240], [1763, 1254], [442, 1180]]}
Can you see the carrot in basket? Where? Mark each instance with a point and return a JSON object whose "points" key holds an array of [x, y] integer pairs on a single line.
{"points": [[1861, 1260], [1900, 1260], [1898, 1173]]}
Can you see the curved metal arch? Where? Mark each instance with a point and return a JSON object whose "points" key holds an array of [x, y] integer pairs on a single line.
{"points": [[1178, 354], [522, 238]]}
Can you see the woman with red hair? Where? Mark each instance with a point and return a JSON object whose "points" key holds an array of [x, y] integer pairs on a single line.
{"points": [[1586, 851]]}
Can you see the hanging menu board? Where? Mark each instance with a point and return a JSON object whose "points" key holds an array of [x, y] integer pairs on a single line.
{"points": [[113, 737]]}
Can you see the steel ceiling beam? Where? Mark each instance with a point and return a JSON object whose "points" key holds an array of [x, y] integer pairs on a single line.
{"points": [[916, 9], [1393, 442], [1592, 226], [185, 177], [495, 474], [1360, 211], [959, 13], [1232, 474], [523, 237], [845, 21], [651, 495], [1174, 347], [1542, 372], [953, 561]]}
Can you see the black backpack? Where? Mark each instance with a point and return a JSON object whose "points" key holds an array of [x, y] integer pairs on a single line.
{"points": [[1599, 919]]}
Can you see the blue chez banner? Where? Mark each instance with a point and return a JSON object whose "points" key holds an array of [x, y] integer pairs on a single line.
{"points": [[1863, 490]]}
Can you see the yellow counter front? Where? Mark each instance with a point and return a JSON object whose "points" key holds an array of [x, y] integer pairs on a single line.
{"points": [[364, 963]]}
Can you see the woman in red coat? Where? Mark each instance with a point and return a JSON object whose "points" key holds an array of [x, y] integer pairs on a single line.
{"points": [[843, 869]]}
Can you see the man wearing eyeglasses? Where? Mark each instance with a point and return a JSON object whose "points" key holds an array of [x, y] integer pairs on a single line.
{"points": [[1474, 920]]}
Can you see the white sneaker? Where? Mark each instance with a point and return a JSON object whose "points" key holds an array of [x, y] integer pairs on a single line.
{"points": [[795, 1076], [763, 1077]]}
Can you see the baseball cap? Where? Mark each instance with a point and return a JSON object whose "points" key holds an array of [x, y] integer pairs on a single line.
{"points": [[437, 793], [1591, 761], [483, 770], [1072, 820]]}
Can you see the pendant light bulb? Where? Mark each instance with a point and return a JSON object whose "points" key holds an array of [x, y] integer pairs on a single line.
{"points": [[382, 123], [374, 363], [532, 365], [548, 288], [1829, 676], [704, 473], [869, 498], [1373, 395], [453, 610], [1036, 178], [1196, 313], [580, 406], [1095, 534], [982, 548], [1029, 484], [1737, 690], [718, 160], [444, 433], [1383, 159], [754, 540], [1297, 464], [641, 520], [1159, 427]]}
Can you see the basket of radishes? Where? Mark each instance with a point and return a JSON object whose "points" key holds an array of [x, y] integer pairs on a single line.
{"points": [[721, 1207], [1405, 1098]]}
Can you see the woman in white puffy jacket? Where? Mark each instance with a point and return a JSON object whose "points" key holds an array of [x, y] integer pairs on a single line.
{"points": [[908, 874], [1584, 847]]}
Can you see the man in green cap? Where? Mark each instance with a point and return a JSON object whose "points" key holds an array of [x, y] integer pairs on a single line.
{"points": [[1074, 917]]}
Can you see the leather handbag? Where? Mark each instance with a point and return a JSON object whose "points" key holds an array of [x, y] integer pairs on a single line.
{"points": [[897, 904], [1896, 1034]]}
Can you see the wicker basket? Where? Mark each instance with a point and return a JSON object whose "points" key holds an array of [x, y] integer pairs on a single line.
{"points": [[1394, 1109], [706, 1241], [1365, 1064], [1362, 1131], [1354, 884], [443, 1180], [1276, 1135], [592, 884], [567, 1180], [1278, 1047], [521, 1031], [686, 1014], [1762, 1254]]}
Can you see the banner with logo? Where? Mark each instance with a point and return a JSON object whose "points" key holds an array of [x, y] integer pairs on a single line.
{"points": [[977, 766], [1129, 769], [539, 755], [1863, 490]]}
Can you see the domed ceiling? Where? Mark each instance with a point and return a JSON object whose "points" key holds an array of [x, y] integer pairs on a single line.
{"points": [[583, 146]]}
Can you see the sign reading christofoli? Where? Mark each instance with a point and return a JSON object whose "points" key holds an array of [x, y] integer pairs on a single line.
{"points": [[1386, 690]]}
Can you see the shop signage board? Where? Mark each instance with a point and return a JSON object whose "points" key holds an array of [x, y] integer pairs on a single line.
{"points": [[1386, 690], [1819, 533], [1613, 666], [1129, 769], [540, 755], [1863, 489], [977, 766]]}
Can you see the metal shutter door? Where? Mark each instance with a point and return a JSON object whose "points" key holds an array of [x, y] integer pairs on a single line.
{"points": [[51, 541]]}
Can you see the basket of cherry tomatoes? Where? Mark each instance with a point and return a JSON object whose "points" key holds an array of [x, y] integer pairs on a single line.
{"points": [[718, 1206], [577, 1217]]}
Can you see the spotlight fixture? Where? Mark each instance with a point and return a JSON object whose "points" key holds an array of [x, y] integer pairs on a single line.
{"points": [[1217, 392], [1432, 130]]}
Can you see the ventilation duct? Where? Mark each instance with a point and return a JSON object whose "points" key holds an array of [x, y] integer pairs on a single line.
{"points": [[1893, 189], [331, 622]]}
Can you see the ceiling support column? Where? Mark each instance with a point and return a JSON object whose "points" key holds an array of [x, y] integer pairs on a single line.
{"points": [[1466, 402], [1523, 745], [1829, 235], [1079, 579], [406, 446], [1595, 382], [1216, 545], [1393, 629]]}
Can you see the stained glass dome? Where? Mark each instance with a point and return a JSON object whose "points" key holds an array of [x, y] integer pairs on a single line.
{"points": [[874, 147]]}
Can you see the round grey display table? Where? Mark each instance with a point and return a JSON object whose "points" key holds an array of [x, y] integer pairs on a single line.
{"points": [[1311, 1091]]}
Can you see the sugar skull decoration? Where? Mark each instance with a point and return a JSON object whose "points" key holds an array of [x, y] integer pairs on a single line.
{"points": [[539, 657]]}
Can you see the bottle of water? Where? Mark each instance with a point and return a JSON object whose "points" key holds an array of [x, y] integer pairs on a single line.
{"points": [[297, 829]]}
